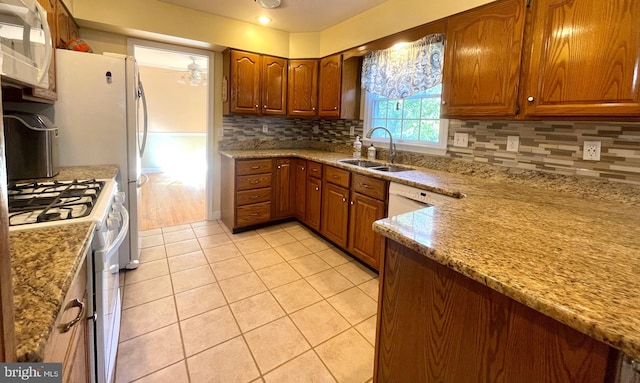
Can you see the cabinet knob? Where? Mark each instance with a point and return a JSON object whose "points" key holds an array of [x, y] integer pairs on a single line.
{"points": [[257, 106], [314, 108], [335, 108], [444, 102], [317, 189], [264, 107], [352, 202], [278, 166], [530, 99], [344, 200], [303, 168]]}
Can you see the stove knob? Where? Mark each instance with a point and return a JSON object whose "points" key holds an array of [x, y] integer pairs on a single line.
{"points": [[120, 197]]}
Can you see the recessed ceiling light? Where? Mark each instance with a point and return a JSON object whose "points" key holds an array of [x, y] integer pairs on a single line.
{"points": [[264, 20], [268, 3]]}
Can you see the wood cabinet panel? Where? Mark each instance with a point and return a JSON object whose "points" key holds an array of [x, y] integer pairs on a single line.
{"points": [[245, 82], [330, 81], [337, 176], [300, 188], [284, 189], [253, 181], [247, 167], [247, 197], [274, 85], [314, 169], [303, 88], [335, 213], [314, 202], [482, 60], [369, 186], [584, 59], [364, 243], [437, 320], [253, 214]]}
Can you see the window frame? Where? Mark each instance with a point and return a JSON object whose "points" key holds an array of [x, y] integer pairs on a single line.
{"points": [[433, 148]]}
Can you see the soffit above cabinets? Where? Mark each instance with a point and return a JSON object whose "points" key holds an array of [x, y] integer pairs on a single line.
{"points": [[293, 16]]}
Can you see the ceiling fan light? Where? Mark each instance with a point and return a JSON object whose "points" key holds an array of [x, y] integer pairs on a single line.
{"points": [[268, 3]]}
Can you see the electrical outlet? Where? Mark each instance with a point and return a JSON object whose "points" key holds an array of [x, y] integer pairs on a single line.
{"points": [[461, 140], [513, 143], [316, 129], [352, 130], [591, 151], [265, 128]]}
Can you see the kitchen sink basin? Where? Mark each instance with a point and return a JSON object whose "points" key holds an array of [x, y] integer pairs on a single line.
{"points": [[390, 168], [361, 163]]}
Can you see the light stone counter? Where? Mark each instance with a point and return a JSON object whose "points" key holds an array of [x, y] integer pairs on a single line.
{"points": [[44, 262], [565, 246]]}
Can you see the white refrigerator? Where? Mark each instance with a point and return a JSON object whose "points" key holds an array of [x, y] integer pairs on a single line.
{"points": [[102, 120]]}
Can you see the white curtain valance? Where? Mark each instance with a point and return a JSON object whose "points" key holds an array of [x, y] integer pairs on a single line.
{"points": [[403, 71]]}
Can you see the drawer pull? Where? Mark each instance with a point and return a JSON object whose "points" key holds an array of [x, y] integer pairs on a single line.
{"points": [[254, 214], [366, 186], [315, 170], [255, 167], [336, 176], [67, 326], [254, 197], [255, 182]]}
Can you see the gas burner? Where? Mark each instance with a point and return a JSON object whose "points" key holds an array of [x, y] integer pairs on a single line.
{"points": [[39, 202]]}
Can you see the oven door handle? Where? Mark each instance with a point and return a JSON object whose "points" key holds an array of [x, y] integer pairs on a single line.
{"points": [[108, 250]]}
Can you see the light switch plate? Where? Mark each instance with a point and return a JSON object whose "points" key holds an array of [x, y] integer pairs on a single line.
{"points": [[461, 140], [265, 128], [513, 143], [316, 129]]}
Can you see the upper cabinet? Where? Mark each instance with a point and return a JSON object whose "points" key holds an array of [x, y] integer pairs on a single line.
{"points": [[482, 61], [584, 59], [258, 84], [67, 29], [580, 60], [303, 88], [330, 83]]}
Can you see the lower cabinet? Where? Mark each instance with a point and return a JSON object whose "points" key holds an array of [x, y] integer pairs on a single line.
{"points": [[284, 188], [313, 203], [335, 213], [364, 243], [300, 189], [68, 342]]}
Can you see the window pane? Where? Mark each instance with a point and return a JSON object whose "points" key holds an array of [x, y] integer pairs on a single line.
{"points": [[430, 108], [379, 133], [411, 108], [429, 130], [435, 90], [395, 109], [411, 130], [395, 127], [380, 108]]}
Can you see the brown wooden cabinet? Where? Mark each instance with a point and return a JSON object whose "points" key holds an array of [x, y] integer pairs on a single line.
{"points": [[284, 188], [329, 88], [303, 88], [313, 201], [482, 61], [66, 26], [335, 205], [258, 84], [68, 342], [368, 204], [584, 58], [449, 328], [300, 188]]}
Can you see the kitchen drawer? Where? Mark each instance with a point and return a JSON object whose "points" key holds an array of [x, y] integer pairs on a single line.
{"points": [[314, 169], [253, 182], [253, 196], [337, 176], [253, 214], [368, 186], [247, 167]]}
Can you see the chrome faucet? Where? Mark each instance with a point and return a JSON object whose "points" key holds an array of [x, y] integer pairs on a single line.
{"points": [[392, 146]]}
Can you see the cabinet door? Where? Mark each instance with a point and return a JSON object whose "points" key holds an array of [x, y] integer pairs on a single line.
{"points": [[284, 188], [329, 87], [50, 92], [300, 189], [274, 85], [335, 213], [303, 88], [63, 23], [313, 202], [245, 82], [482, 61], [363, 242], [584, 59]]}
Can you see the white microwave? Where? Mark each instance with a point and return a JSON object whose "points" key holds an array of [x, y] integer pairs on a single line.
{"points": [[25, 43]]}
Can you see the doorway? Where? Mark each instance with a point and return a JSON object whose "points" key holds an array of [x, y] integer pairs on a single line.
{"points": [[177, 86]]}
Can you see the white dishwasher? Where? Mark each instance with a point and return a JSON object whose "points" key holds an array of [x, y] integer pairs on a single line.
{"points": [[404, 199]]}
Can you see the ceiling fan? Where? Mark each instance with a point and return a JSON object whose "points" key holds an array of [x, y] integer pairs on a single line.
{"points": [[194, 75], [268, 3]]}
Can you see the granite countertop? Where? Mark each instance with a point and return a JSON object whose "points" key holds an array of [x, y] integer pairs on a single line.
{"points": [[564, 246], [44, 262]]}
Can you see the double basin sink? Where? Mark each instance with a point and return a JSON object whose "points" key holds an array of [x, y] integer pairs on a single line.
{"points": [[375, 165]]}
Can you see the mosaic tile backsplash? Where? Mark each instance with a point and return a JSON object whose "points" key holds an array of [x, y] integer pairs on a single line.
{"points": [[552, 147]]}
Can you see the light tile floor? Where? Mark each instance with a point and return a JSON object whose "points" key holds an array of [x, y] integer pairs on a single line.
{"points": [[278, 304]]}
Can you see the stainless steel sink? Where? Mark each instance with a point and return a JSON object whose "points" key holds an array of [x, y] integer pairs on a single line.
{"points": [[361, 163], [375, 165]]}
